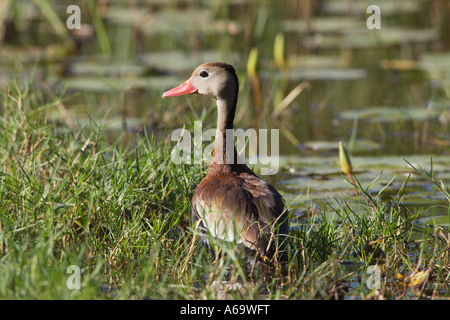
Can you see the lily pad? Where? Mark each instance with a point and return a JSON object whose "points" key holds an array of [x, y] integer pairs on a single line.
{"points": [[358, 8], [319, 145], [181, 61], [186, 22], [320, 74], [126, 15], [318, 179], [359, 145], [324, 25], [365, 145], [367, 39], [157, 83], [435, 61], [388, 114], [437, 65], [314, 62], [106, 68], [31, 55]]}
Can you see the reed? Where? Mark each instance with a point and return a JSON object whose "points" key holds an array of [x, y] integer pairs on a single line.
{"points": [[120, 212]]}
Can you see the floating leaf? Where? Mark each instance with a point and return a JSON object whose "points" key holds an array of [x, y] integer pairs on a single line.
{"points": [[332, 74], [187, 22], [357, 8], [319, 177], [314, 62], [388, 114], [437, 65], [359, 145], [323, 25], [365, 146], [180, 61], [158, 83], [105, 68], [319, 145], [126, 15], [367, 39]]}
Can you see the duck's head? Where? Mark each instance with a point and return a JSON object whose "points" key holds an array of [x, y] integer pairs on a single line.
{"points": [[214, 79]]}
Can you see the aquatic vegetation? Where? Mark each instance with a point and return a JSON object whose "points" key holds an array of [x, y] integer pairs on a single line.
{"points": [[86, 177]]}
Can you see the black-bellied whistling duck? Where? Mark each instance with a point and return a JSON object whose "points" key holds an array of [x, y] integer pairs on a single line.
{"points": [[232, 202]]}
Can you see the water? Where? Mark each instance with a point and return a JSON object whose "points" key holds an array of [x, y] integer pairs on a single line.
{"points": [[383, 92]]}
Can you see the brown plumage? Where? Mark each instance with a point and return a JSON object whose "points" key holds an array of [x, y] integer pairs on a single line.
{"points": [[232, 202]]}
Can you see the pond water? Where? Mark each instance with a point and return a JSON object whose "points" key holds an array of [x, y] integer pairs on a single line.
{"points": [[322, 77]]}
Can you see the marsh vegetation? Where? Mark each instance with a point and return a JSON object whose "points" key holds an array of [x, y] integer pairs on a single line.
{"points": [[86, 176]]}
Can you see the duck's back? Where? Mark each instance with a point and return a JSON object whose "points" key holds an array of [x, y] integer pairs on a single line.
{"points": [[234, 204]]}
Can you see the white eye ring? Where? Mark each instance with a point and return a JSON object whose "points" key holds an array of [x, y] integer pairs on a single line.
{"points": [[204, 74]]}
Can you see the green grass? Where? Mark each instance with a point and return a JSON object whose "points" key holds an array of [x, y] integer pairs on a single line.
{"points": [[120, 212]]}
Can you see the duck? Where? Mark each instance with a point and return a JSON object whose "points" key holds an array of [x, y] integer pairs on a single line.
{"points": [[232, 203]]}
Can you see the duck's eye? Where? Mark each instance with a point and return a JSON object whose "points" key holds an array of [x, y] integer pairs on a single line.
{"points": [[204, 74]]}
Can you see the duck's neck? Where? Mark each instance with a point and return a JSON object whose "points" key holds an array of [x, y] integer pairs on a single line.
{"points": [[224, 151]]}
